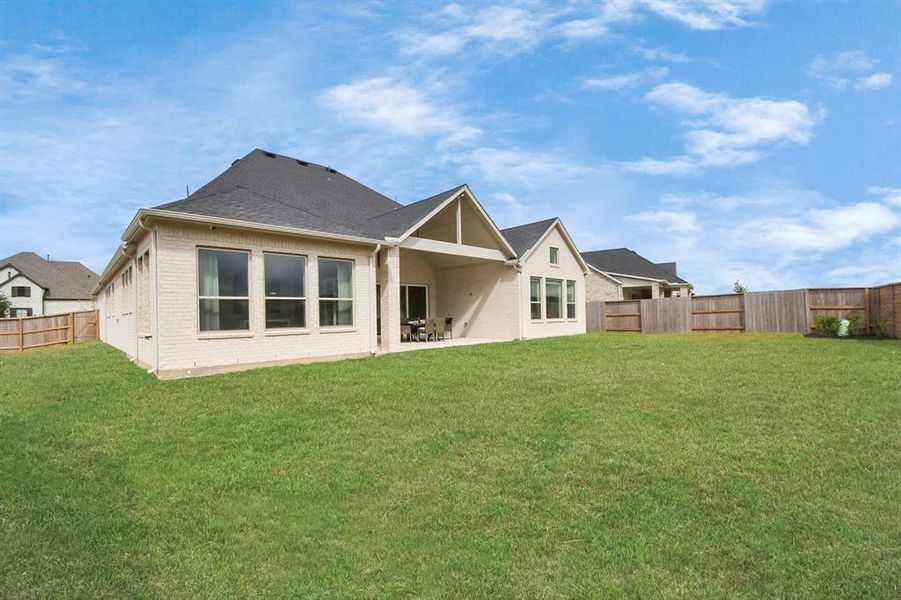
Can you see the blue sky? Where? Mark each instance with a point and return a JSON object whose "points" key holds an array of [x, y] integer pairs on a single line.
{"points": [[744, 139]]}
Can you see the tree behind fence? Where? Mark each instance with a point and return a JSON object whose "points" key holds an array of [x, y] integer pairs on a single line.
{"points": [[783, 311]]}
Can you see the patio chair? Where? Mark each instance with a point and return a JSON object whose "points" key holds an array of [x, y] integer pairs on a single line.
{"points": [[449, 326], [440, 329], [406, 330], [429, 329]]}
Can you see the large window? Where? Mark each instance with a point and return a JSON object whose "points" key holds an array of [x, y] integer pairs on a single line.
{"points": [[553, 293], [414, 302], [336, 292], [535, 297], [21, 291], [223, 290], [286, 300], [570, 299]]}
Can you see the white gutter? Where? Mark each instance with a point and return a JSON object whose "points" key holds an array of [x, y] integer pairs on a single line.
{"points": [[206, 220]]}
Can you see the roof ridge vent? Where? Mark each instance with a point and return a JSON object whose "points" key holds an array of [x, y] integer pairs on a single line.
{"points": [[269, 154], [303, 163]]}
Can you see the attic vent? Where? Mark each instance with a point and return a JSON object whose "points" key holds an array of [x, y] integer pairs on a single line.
{"points": [[269, 154], [303, 163]]}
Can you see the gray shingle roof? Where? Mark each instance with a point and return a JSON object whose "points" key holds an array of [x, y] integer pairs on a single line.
{"points": [[397, 221], [523, 237], [629, 262], [62, 280], [272, 189]]}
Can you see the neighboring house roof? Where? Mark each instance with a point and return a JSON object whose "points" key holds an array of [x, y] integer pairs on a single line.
{"points": [[622, 261], [272, 189], [61, 280], [523, 238]]}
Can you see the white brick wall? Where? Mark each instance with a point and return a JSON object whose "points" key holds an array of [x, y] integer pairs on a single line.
{"points": [[538, 264], [183, 348], [483, 300]]}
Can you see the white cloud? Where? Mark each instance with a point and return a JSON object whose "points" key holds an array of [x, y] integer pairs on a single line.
{"points": [[876, 81], [514, 165], [706, 15], [726, 131], [514, 28], [824, 229], [660, 54], [677, 223], [891, 196], [627, 80], [849, 69], [398, 108], [504, 28]]}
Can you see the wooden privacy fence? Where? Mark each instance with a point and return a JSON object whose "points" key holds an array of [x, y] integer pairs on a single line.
{"points": [[48, 330], [783, 311]]}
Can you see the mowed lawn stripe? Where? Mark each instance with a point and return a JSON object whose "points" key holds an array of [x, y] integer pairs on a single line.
{"points": [[605, 464]]}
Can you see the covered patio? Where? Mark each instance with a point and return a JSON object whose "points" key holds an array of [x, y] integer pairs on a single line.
{"points": [[453, 266]]}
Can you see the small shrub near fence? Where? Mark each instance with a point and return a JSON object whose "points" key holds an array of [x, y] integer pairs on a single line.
{"points": [[868, 310], [27, 333]]}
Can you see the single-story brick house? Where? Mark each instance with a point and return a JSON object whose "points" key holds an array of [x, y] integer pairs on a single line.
{"points": [[37, 286], [279, 260], [623, 274]]}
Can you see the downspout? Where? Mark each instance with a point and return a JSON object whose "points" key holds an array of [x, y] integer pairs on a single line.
{"points": [[373, 326], [518, 267], [156, 305]]}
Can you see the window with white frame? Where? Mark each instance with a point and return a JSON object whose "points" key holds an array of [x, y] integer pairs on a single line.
{"points": [[553, 298], [222, 285], [535, 297], [21, 291], [570, 299], [336, 292], [555, 256], [286, 298]]}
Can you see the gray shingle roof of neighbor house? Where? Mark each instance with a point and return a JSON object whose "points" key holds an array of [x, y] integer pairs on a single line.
{"points": [[62, 280], [272, 189], [523, 237], [628, 262]]}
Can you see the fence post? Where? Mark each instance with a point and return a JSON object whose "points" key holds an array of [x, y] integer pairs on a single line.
{"points": [[71, 328], [21, 335], [866, 301]]}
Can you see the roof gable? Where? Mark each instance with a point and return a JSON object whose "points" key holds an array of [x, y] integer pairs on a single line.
{"points": [[528, 236]]}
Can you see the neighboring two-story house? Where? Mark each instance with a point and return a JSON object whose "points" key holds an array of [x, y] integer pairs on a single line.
{"points": [[37, 286]]}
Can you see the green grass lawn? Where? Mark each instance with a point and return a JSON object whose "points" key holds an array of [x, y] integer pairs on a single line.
{"points": [[599, 465]]}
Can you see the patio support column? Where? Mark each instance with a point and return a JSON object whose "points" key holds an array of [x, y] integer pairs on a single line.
{"points": [[389, 280]]}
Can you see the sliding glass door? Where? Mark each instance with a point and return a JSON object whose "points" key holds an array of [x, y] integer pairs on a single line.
{"points": [[414, 302]]}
